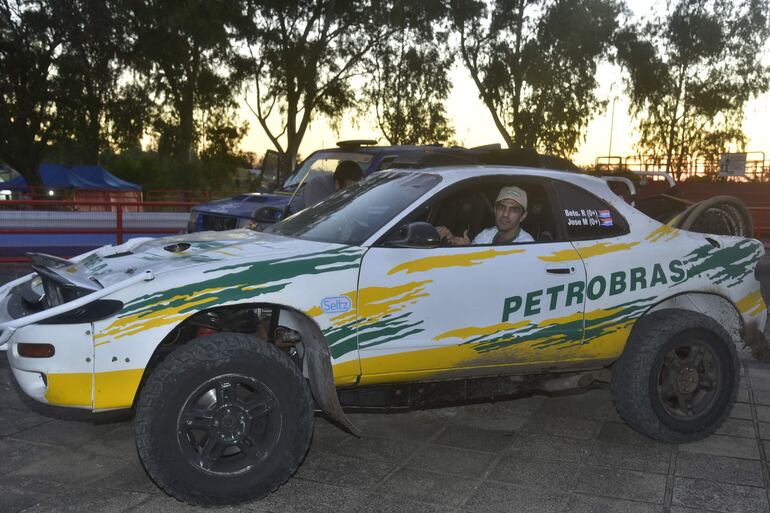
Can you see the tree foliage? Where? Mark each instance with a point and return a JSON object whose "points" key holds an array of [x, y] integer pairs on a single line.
{"points": [[88, 66], [183, 50], [130, 114], [86, 81], [691, 71], [534, 64], [29, 42], [407, 80], [299, 59]]}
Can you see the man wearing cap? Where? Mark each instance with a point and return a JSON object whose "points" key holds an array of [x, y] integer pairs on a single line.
{"points": [[510, 211]]}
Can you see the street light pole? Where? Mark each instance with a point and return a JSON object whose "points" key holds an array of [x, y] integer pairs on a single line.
{"points": [[612, 124]]}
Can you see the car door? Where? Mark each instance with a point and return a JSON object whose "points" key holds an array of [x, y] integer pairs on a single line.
{"points": [[621, 267], [483, 309]]}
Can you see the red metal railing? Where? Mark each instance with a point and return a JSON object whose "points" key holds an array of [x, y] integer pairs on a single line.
{"points": [[753, 189], [51, 217], [755, 195], [104, 206], [41, 192], [761, 216], [198, 196], [757, 167]]}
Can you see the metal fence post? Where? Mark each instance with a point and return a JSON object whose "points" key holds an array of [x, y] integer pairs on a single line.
{"points": [[119, 223]]}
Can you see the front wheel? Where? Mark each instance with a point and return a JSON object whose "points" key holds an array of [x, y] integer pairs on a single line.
{"points": [[224, 419], [677, 379]]}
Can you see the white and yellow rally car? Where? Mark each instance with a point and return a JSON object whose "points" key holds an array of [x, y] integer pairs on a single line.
{"points": [[224, 342]]}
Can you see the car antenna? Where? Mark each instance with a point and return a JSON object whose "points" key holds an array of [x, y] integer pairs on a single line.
{"points": [[296, 190]]}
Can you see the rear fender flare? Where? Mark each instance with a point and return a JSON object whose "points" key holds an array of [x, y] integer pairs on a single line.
{"points": [[711, 304]]}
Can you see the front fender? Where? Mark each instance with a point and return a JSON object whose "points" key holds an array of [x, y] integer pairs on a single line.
{"points": [[318, 369]]}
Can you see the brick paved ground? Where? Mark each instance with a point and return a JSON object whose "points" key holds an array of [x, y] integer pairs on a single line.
{"points": [[541, 454]]}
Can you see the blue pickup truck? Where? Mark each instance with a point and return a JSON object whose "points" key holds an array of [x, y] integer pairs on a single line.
{"points": [[261, 209]]}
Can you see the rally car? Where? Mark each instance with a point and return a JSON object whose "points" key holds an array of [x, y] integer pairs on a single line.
{"points": [[225, 342]]}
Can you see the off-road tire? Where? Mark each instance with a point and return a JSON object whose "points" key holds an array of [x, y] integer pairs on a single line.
{"points": [[636, 375], [178, 377]]}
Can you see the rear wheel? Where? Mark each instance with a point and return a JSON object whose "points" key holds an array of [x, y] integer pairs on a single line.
{"points": [[224, 419], [677, 378]]}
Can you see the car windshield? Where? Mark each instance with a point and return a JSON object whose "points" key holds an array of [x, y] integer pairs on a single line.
{"points": [[352, 215], [324, 162]]}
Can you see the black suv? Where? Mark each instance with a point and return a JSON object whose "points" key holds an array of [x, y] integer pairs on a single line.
{"points": [[264, 208]]}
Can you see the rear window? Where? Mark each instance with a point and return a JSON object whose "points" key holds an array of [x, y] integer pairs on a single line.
{"points": [[324, 162], [586, 216]]}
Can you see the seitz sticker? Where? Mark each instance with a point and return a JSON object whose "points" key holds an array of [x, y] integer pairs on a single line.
{"points": [[336, 304]]}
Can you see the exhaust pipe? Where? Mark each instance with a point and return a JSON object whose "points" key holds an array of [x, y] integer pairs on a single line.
{"points": [[571, 381]]}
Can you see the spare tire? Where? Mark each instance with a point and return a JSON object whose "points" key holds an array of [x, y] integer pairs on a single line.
{"points": [[720, 215]]}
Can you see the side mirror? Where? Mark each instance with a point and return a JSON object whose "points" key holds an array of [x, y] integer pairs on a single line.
{"points": [[267, 215], [268, 172], [415, 235]]}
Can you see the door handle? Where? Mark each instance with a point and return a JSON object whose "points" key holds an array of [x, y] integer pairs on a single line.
{"points": [[560, 270]]}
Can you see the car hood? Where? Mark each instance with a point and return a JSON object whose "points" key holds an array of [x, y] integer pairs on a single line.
{"points": [[245, 204], [110, 265]]}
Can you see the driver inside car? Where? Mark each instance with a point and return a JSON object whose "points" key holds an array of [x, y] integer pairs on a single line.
{"points": [[510, 211]]}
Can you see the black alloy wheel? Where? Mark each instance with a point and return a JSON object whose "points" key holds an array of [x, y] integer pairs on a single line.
{"points": [[223, 419], [677, 379], [229, 424], [688, 380]]}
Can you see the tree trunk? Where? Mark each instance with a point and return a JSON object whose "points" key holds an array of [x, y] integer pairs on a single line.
{"points": [[672, 128], [22, 152], [92, 146], [184, 140], [289, 160], [28, 164], [30, 172]]}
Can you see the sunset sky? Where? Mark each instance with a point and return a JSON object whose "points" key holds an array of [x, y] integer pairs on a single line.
{"points": [[474, 126]]}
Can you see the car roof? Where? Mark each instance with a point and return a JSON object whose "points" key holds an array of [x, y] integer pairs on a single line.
{"points": [[457, 173], [424, 156], [453, 174], [491, 156], [376, 150]]}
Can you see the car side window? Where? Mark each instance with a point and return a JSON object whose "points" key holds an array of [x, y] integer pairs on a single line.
{"points": [[586, 216], [471, 208], [386, 162], [467, 209]]}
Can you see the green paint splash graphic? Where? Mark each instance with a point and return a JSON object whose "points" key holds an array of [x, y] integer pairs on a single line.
{"points": [[342, 339], [728, 265], [566, 334], [248, 280]]}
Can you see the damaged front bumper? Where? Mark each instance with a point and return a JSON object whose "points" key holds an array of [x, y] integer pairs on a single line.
{"points": [[65, 376], [9, 324]]}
